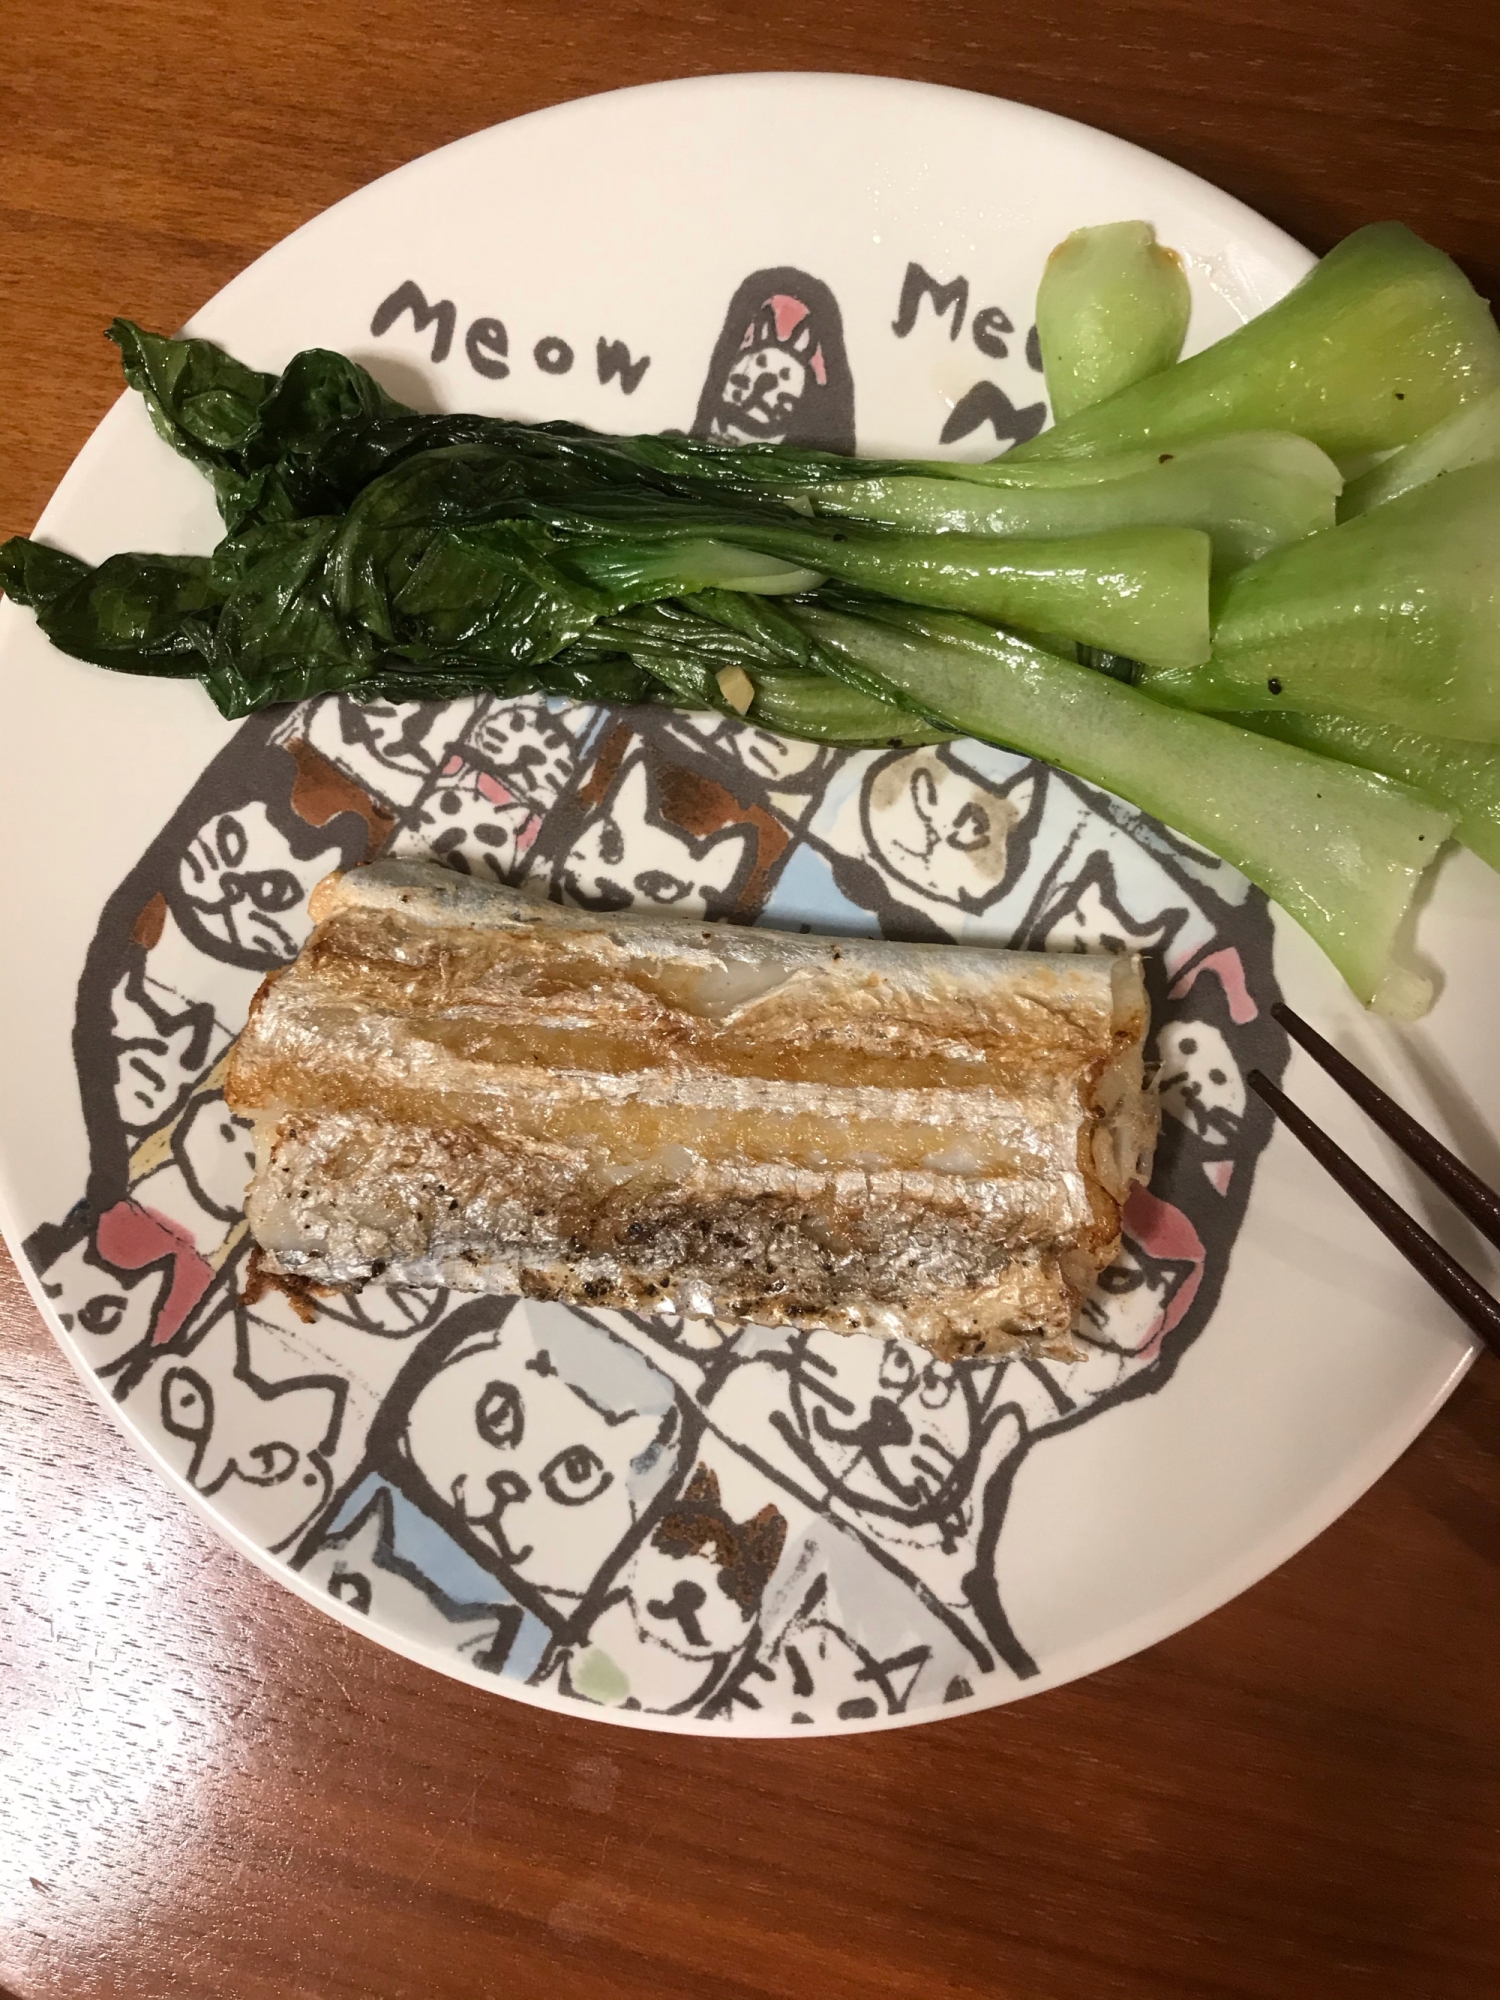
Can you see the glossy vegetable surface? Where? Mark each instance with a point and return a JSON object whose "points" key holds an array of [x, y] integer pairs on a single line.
{"points": [[1471, 436], [1382, 340], [1342, 849], [400, 554], [1463, 778], [1112, 307], [1248, 494], [1393, 616]]}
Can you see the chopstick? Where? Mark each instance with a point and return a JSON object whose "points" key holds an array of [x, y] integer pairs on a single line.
{"points": [[1468, 1193], [1448, 1278]]}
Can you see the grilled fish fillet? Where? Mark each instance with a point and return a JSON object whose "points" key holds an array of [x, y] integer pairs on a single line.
{"points": [[456, 1085]]}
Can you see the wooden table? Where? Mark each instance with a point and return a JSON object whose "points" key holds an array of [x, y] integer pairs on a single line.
{"points": [[207, 1789]]}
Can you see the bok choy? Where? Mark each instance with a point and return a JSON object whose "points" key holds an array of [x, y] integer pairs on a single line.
{"points": [[1382, 340], [1248, 494], [1393, 616], [1112, 307], [1471, 436], [1340, 848], [1316, 665], [1463, 778]]}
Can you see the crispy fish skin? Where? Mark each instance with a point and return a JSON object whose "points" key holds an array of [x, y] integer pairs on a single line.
{"points": [[457, 1085]]}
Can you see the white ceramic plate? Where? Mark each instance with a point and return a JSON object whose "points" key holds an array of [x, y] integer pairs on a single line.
{"points": [[722, 1529]]}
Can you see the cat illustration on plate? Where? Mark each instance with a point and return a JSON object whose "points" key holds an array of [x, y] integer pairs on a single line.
{"points": [[779, 372], [683, 1518]]}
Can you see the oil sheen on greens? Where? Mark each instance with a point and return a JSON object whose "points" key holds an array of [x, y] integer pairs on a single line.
{"points": [[1316, 688]]}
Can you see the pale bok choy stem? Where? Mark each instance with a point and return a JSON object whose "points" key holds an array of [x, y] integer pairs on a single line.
{"points": [[1248, 494], [1142, 592], [1341, 849], [1471, 436], [1463, 778], [1380, 342], [1112, 308], [1393, 616]]}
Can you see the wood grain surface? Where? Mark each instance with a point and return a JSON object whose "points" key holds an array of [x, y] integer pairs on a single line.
{"points": [[206, 1788]]}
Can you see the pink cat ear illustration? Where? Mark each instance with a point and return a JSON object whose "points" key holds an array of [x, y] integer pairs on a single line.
{"points": [[779, 372], [763, 332]]}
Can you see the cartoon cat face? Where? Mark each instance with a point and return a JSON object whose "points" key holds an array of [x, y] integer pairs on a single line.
{"points": [[546, 1460], [1125, 1310], [779, 372], [215, 1153], [763, 393], [770, 375], [162, 1042], [940, 829], [527, 746], [889, 1428], [112, 1309], [629, 852], [242, 889], [1090, 913], [474, 822], [259, 1445], [696, 1584], [1200, 1080]]}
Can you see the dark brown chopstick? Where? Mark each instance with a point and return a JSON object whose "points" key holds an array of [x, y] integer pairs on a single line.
{"points": [[1468, 1193], [1473, 1304]]}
